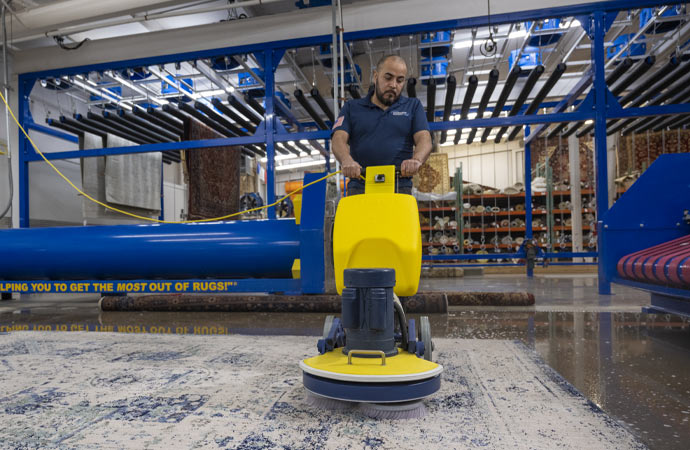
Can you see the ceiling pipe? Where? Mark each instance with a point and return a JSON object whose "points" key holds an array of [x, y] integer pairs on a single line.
{"points": [[451, 84], [108, 120], [251, 101], [354, 91], [412, 87], [522, 96], [299, 95], [107, 128], [635, 74], [144, 131], [218, 104], [503, 97], [486, 96], [541, 95], [187, 109], [316, 95], [222, 121], [244, 110], [146, 121], [430, 99], [170, 122], [472, 83]]}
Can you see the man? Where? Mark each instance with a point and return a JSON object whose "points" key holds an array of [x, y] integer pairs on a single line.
{"points": [[381, 129]]}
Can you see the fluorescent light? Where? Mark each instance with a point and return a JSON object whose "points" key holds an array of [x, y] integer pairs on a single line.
{"points": [[303, 141], [201, 94], [589, 122], [450, 132], [463, 44], [302, 165], [574, 23], [447, 144], [517, 34], [472, 115]]}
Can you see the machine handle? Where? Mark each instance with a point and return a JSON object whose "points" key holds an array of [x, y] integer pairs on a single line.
{"points": [[366, 352]]}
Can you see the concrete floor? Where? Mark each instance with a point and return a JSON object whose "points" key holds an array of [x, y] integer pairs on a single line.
{"points": [[632, 365]]}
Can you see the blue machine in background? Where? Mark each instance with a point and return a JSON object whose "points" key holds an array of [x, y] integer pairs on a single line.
{"points": [[239, 256], [649, 213]]}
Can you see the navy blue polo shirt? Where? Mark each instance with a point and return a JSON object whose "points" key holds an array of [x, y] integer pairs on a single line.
{"points": [[378, 137]]}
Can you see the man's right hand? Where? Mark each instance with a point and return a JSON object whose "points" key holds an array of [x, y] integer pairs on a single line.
{"points": [[351, 169]]}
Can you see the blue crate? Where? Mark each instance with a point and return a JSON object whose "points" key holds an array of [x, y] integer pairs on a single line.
{"points": [[635, 51], [647, 13], [436, 68], [529, 59], [546, 38]]}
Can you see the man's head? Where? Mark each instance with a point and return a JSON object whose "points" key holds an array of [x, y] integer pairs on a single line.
{"points": [[389, 78]]}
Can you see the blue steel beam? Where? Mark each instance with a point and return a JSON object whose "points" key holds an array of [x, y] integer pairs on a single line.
{"points": [[52, 132], [269, 125], [600, 97]]}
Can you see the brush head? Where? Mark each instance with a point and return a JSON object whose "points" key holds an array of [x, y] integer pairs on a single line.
{"points": [[331, 404], [394, 411]]}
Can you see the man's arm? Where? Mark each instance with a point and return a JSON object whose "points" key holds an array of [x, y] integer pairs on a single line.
{"points": [[341, 150], [422, 149]]}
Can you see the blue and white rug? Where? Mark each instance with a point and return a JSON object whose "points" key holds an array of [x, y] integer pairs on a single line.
{"points": [[110, 390]]}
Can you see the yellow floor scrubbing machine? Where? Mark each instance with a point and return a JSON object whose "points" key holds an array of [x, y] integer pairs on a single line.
{"points": [[372, 357]]}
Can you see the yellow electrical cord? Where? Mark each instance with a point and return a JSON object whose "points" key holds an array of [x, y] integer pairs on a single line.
{"points": [[136, 216]]}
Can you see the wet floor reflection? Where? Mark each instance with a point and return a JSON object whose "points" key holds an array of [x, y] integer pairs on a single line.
{"points": [[634, 366]]}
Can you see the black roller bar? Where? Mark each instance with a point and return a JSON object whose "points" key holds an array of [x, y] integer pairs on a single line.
{"points": [[503, 97], [522, 97], [451, 84], [233, 115], [430, 99], [222, 121], [412, 87], [299, 95], [486, 96], [322, 104]]}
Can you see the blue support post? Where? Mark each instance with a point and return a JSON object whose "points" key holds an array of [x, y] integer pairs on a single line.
{"points": [[161, 216], [24, 147], [528, 194], [600, 135], [269, 78]]}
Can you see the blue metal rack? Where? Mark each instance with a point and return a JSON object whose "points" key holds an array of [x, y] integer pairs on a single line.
{"points": [[598, 106]]}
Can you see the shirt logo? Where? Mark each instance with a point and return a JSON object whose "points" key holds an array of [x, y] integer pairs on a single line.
{"points": [[400, 113], [338, 122]]}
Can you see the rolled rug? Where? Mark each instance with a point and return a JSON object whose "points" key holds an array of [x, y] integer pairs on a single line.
{"points": [[446, 219], [519, 240], [495, 209], [473, 209], [515, 223], [506, 240], [568, 222], [467, 242], [510, 191], [453, 224], [482, 252], [520, 207], [448, 250], [456, 249], [466, 206], [480, 209], [443, 240], [433, 250], [442, 250], [505, 223], [476, 189], [563, 205]]}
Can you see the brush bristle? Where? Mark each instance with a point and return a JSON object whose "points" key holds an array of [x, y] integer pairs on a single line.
{"points": [[320, 402], [394, 411]]}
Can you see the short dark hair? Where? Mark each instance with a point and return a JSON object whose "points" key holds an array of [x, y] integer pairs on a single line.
{"points": [[385, 58]]}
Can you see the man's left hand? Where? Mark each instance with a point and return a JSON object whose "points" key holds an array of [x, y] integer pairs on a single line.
{"points": [[409, 167]]}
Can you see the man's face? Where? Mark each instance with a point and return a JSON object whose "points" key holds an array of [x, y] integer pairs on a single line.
{"points": [[389, 81]]}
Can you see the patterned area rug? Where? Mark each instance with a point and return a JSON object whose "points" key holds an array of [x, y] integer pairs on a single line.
{"points": [[111, 390]]}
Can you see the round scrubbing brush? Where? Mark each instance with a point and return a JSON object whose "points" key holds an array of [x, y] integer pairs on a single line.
{"points": [[394, 411], [317, 401]]}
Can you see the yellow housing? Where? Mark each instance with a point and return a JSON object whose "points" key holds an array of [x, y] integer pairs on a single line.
{"points": [[379, 229]]}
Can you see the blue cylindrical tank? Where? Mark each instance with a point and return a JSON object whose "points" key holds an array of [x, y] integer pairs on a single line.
{"points": [[238, 249]]}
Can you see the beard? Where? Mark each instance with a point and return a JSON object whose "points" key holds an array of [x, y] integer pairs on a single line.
{"points": [[387, 97]]}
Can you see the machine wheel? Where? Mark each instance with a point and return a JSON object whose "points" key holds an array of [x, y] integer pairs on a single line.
{"points": [[425, 337], [327, 326]]}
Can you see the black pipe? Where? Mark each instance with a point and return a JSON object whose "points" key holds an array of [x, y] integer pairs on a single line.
{"points": [[108, 126], [108, 119], [251, 101], [233, 115], [83, 127], [677, 90], [354, 92], [222, 121], [618, 72], [573, 128], [503, 97], [472, 83], [412, 87], [637, 71], [522, 97], [165, 118], [541, 95], [451, 84], [486, 96], [289, 147], [671, 122], [302, 147], [322, 104], [64, 127], [430, 99], [258, 150], [184, 109], [244, 110], [651, 80], [170, 127], [148, 132], [148, 124], [557, 130], [299, 95]]}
